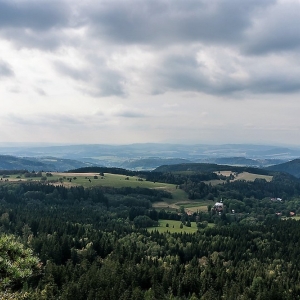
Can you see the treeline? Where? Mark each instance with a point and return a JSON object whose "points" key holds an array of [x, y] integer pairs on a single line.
{"points": [[104, 170], [207, 167], [92, 249]]}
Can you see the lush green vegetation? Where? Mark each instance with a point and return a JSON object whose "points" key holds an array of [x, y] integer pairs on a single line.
{"points": [[70, 241]]}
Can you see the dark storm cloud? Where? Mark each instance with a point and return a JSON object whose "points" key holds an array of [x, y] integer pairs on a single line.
{"points": [[5, 69]]}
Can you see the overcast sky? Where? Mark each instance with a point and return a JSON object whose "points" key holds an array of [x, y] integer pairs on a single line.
{"points": [[135, 71]]}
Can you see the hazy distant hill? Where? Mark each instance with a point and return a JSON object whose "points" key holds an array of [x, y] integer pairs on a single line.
{"points": [[114, 155], [291, 167], [151, 163], [8, 162], [242, 161]]}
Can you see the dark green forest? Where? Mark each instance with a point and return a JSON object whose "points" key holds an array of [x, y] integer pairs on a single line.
{"points": [[93, 243]]}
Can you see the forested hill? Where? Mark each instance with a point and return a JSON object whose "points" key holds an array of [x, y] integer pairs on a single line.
{"points": [[92, 244], [203, 167], [104, 170], [8, 162], [292, 167]]}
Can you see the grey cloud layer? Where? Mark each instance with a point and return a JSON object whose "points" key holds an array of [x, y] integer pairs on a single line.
{"points": [[250, 30], [36, 15], [106, 82], [166, 22]]}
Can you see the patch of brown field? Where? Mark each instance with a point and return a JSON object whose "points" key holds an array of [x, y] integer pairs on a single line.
{"points": [[251, 177], [64, 183], [214, 181], [197, 208], [75, 174], [165, 205], [224, 173]]}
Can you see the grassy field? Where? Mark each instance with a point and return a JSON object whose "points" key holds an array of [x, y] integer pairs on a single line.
{"points": [[195, 206], [174, 226], [110, 180], [241, 176], [180, 198], [224, 173], [251, 177]]}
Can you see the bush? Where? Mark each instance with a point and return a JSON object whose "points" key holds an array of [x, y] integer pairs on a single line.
{"points": [[17, 263]]}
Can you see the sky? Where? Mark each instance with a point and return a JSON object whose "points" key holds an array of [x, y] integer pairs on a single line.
{"points": [[138, 71]]}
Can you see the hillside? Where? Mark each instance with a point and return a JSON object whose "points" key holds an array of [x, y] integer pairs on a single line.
{"points": [[292, 167], [8, 162], [203, 167]]}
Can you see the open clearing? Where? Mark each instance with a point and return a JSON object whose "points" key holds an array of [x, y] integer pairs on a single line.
{"points": [[251, 177], [224, 173], [180, 198], [240, 176], [190, 206], [174, 226]]}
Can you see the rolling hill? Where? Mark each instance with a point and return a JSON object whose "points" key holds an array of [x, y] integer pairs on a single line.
{"points": [[291, 167], [8, 162], [203, 167]]}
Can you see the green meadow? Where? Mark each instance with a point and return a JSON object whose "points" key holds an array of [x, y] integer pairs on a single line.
{"points": [[174, 226], [110, 180]]}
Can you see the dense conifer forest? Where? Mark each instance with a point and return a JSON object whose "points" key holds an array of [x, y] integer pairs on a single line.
{"points": [[93, 243]]}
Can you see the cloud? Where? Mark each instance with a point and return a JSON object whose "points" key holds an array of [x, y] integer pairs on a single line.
{"points": [[5, 69], [130, 114], [223, 48], [224, 72], [42, 24], [36, 24], [40, 91], [99, 79], [274, 30], [34, 14], [167, 22], [44, 119]]}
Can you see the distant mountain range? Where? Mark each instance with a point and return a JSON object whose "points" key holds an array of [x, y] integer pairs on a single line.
{"points": [[151, 163], [141, 156], [242, 161], [121, 153]]}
